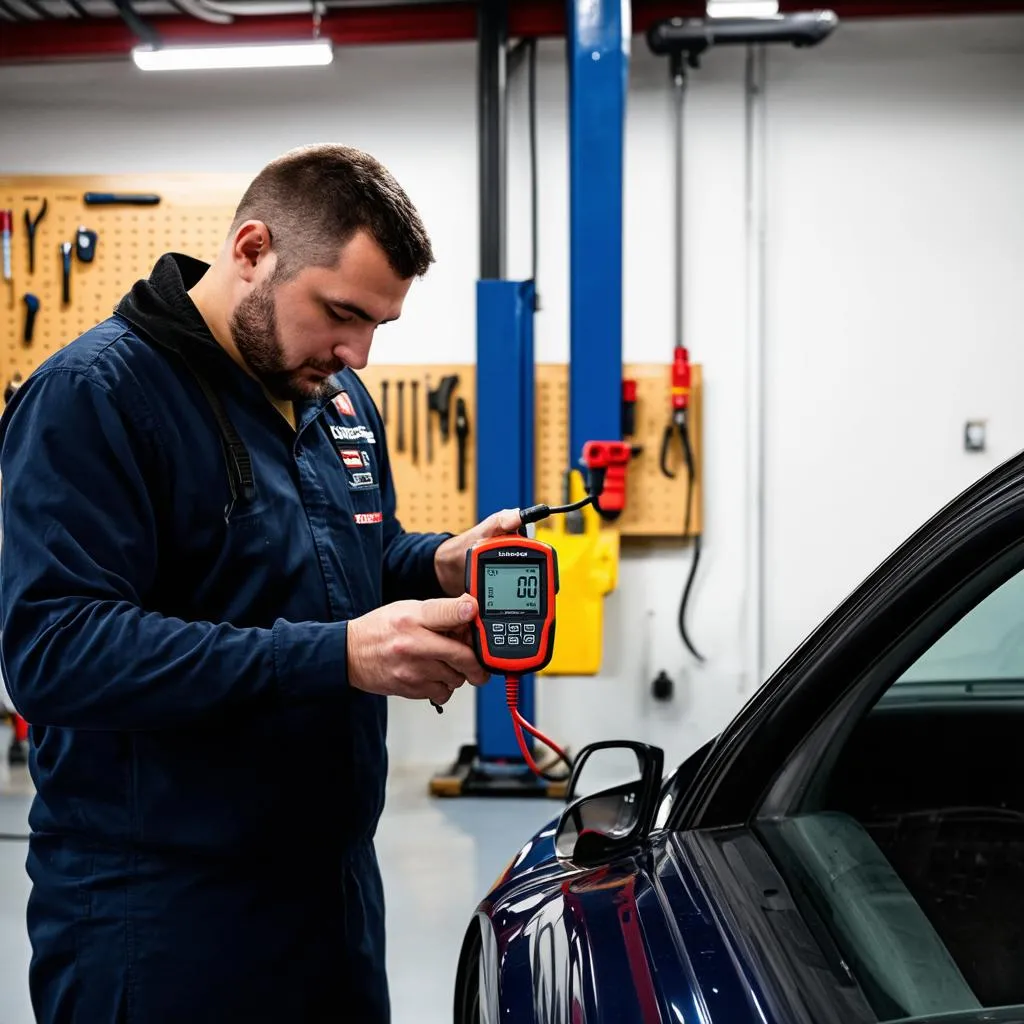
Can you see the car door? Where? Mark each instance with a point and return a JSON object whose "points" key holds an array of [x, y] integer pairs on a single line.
{"points": [[807, 836]]}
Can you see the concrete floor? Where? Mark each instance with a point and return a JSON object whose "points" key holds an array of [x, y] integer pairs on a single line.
{"points": [[438, 857]]}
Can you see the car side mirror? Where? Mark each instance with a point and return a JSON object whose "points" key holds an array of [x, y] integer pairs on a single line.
{"points": [[608, 820]]}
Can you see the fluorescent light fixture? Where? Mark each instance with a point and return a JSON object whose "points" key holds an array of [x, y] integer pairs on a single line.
{"points": [[742, 8], [315, 53]]}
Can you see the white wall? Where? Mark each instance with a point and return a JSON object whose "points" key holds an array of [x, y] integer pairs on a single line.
{"points": [[883, 335], [896, 256]]}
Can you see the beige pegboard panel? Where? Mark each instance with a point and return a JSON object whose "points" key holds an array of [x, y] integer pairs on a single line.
{"points": [[655, 504], [428, 495], [551, 437], [192, 217]]}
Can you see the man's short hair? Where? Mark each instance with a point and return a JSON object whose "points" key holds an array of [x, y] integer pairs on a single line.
{"points": [[315, 198]]}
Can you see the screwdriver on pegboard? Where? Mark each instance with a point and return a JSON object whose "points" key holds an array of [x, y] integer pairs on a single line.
{"points": [[6, 227]]}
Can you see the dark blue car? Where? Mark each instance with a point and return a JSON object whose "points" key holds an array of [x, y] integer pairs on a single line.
{"points": [[849, 849]]}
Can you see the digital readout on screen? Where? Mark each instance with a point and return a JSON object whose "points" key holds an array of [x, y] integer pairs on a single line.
{"points": [[512, 588]]}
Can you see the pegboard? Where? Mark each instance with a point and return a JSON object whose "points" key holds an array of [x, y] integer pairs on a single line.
{"points": [[428, 498], [193, 216], [655, 504], [428, 495]]}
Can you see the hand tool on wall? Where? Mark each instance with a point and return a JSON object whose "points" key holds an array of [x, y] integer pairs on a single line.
{"points": [[678, 421], [439, 401], [66, 249], [401, 416], [384, 402], [430, 421], [120, 198], [6, 226], [31, 308], [415, 421], [85, 244], [31, 223], [461, 433], [610, 458], [628, 408]]}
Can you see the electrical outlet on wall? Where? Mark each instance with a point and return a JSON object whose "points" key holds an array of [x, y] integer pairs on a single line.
{"points": [[974, 435]]}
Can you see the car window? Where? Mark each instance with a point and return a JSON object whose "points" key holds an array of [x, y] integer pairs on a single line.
{"points": [[907, 845], [987, 645]]}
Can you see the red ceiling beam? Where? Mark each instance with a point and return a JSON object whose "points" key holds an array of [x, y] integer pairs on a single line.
{"points": [[75, 39]]}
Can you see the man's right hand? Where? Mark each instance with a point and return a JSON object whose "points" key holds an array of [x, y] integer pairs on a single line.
{"points": [[415, 649]]}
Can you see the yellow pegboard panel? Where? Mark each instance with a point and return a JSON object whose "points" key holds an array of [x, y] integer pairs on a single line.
{"points": [[193, 217], [427, 491], [655, 505], [428, 495]]}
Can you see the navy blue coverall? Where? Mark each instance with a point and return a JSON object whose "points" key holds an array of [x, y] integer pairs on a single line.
{"points": [[165, 641]]}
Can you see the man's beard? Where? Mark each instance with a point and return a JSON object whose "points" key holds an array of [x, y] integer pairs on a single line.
{"points": [[253, 328]]}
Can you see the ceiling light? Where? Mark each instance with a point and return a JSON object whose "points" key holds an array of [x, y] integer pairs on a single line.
{"points": [[316, 53], [742, 8]]}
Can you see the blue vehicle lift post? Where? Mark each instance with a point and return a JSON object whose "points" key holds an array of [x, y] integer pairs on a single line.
{"points": [[598, 38], [597, 49]]}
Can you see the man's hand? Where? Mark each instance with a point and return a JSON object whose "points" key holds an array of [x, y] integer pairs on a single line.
{"points": [[415, 649], [450, 557]]}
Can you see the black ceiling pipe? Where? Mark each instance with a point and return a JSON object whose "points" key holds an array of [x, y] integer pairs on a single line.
{"points": [[492, 72]]}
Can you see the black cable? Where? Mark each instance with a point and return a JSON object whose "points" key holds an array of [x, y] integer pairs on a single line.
{"points": [[533, 168], [9, 12], [535, 513], [691, 472], [13, 837], [557, 778], [77, 8]]}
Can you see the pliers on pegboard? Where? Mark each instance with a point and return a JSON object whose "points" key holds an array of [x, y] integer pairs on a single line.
{"points": [[680, 426], [31, 223], [680, 407]]}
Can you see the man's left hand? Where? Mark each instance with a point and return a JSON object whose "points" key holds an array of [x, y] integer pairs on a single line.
{"points": [[450, 557]]}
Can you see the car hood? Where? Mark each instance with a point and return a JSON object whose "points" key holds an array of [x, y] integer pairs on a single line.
{"points": [[536, 855]]}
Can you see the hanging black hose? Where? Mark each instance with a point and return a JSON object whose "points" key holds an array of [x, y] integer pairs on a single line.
{"points": [[691, 471]]}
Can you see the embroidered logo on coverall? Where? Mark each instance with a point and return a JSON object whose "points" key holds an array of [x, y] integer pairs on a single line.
{"points": [[344, 404], [357, 466], [360, 433]]}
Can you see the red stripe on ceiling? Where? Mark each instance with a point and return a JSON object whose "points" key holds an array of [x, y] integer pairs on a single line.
{"points": [[73, 38]]}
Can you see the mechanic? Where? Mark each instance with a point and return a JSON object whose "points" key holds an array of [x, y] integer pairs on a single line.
{"points": [[201, 561]]}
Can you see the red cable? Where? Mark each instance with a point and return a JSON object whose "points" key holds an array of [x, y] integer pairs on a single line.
{"points": [[519, 723]]}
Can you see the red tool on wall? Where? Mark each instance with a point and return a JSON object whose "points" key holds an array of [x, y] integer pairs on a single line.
{"points": [[610, 458]]}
